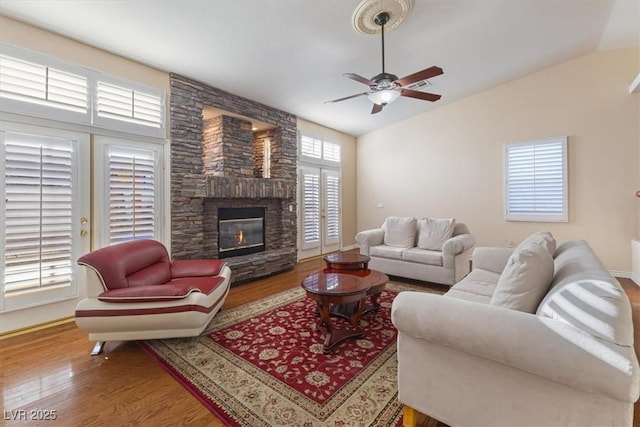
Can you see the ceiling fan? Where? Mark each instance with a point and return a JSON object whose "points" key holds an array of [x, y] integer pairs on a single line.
{"points": [[386, 88]]}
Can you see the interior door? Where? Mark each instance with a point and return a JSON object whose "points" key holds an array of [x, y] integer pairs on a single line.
{"points": [[330, 214], [320, 211], [45, 214]]}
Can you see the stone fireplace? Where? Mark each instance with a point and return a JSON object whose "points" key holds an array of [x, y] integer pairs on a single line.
{"points": [[219, 162]]}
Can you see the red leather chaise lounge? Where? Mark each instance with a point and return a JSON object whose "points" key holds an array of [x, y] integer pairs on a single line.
{"points": [[135, 291]]}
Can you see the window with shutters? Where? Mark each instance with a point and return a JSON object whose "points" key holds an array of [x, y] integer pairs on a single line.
{"points": [[536, 180], [39, 209], [332, 206], [331, 152], [310, 147], [131, 190], [38, 85], [43, 86], [129, 106], [310, 209], [319, 151]]}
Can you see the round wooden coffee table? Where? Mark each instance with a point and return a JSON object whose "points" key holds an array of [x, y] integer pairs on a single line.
{"points": [[328, 289], [347, 261], [356, 265]]}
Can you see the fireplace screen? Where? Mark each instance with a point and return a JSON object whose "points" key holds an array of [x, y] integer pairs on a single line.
{"points": [[240, 231]]}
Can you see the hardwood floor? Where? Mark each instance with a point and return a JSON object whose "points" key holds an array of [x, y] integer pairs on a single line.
{"points": [[51, 371]]}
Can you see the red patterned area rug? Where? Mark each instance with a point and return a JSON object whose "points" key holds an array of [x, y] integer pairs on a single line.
{"points": [[262, 364]]}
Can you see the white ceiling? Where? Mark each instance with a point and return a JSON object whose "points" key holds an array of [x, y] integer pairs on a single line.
{"points": [[290, 54]]}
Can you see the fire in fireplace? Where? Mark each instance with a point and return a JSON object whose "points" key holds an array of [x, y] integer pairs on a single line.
{"points": [[240, 231]]}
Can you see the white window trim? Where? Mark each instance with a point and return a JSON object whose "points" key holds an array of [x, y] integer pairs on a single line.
{"points": [[91, 118], [122, 125], [44, 111], [318, 161], [538, 216]]}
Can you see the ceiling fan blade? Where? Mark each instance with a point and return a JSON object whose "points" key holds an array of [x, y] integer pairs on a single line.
{"points": [[346, 97], [376, 108], [359, 79], [420, 75], [425, 96]]}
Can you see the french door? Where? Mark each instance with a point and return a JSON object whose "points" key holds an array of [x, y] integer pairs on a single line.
{"points": [[45, 214], [319, 218]]}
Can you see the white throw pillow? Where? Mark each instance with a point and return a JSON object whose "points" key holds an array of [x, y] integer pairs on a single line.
{"points": [[525, 279], [543, 238], [433, 232], [400, 231]]}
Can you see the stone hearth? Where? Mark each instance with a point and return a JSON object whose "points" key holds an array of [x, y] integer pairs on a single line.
{"points": [[217, 163]]}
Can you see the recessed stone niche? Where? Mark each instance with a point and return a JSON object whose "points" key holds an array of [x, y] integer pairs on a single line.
{"points": [[219, 162]]}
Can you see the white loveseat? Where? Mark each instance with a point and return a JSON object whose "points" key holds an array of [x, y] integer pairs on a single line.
{"points": [[473, 358], [434, 250]]}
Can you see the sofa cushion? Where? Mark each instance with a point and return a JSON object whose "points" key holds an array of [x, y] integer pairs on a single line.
{"points": [[400, 231], [543, 238], [174, 290], [433, 232], [385, 251], [525, 279], [585, 295], [479, 281], [133, 263], [422, 256]]}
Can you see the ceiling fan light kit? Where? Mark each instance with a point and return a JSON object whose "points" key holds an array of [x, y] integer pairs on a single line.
{"points": [[384, 97], [385, 88]]}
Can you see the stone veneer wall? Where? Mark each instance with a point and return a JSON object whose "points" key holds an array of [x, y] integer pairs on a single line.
{"points": [[198, 190], [228, 147]]}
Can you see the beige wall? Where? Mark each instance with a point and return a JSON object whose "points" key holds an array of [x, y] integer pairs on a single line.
{"points": [[348, 153], [449, 161], [38, 40]]}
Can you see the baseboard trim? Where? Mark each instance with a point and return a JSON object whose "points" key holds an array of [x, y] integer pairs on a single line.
{"points": [[623, 274], [41, 326], [636, 279]]}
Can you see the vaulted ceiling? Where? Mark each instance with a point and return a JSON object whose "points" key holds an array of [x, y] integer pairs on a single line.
{"points": [[291, 54]]}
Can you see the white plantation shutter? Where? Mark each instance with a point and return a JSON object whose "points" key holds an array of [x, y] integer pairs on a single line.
{"points": [[310, 147], [128, 105], [40, 207], [332, 206], [310, 209], [132, 183], [42, 89], [536, 180], [331, 152]]}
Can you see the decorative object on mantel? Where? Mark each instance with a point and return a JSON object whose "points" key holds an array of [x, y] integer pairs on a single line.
{"points": [[262, 364], [385, 88]]}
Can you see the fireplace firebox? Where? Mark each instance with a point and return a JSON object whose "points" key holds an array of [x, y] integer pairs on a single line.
{"points": [[241, 231]]}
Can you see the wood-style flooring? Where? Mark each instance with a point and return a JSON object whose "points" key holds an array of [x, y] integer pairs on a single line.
{"points": [[51, 371]]}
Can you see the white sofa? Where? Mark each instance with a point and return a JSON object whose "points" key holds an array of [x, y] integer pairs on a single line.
{"points": [[428, 249], [468, 359]]}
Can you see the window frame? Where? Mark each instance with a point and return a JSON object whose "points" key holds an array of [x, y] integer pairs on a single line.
{"points": [[102, 181], [43, 110], [538, 215], [321, 160], [91, 117]]}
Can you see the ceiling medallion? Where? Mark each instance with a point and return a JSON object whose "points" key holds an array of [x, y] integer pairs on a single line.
{"points": [[367, 10]]}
